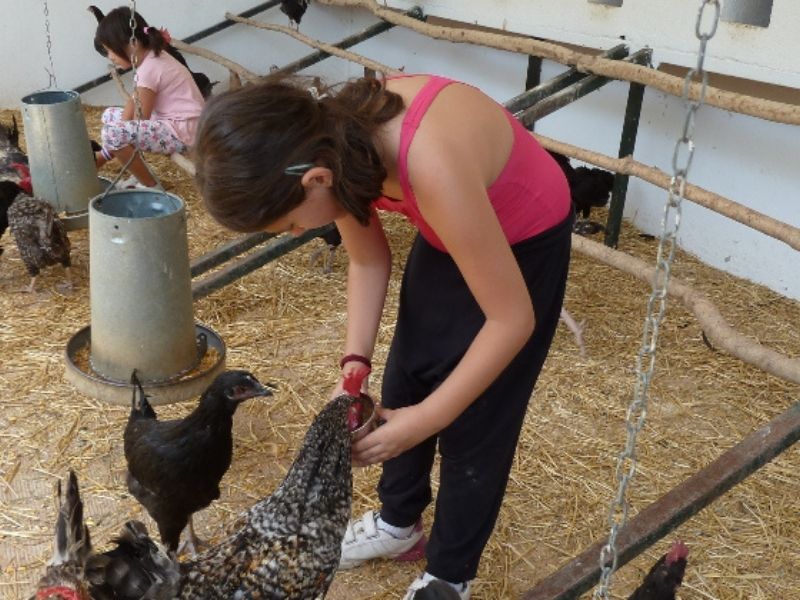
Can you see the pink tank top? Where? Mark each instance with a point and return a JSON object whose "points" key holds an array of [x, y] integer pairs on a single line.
{"points": [[529, 196]]}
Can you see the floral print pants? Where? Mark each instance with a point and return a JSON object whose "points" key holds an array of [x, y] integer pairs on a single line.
{"points": [[148, 136]]}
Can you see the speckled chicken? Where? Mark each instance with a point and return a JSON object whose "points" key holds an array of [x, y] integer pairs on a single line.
{"points": [[175, 467], [40, 236], [288, 545], [135, 568], [664, 577]]}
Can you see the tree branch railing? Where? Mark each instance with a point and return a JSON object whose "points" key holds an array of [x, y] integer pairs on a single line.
{"points": [[769, 110]]}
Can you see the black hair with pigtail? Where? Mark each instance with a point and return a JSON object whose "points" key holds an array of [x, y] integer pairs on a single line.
{"points": [[114, 32], [248, 138]]}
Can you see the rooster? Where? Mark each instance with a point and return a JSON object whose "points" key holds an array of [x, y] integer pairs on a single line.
{"points": [[175, 467], [40, 235], [294, 9], [664, 578], [204, 84], [135, 568], [288, 545]]}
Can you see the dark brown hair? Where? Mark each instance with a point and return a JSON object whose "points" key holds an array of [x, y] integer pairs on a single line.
{"points": [[248, 137], [114, 32]]}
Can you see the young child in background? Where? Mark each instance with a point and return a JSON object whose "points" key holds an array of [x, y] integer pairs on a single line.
{"points": [[170, 101], [482, 287]]}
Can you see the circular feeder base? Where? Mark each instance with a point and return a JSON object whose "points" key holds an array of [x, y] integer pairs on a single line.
{"points": [[120, 393]]}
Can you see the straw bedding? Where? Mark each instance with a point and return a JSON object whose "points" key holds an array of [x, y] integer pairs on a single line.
{"points": [[285, 323]]}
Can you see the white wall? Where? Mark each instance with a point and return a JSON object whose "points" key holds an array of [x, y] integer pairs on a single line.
{"points": [[751, 161]]}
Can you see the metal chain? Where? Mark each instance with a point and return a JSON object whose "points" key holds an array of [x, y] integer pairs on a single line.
{"points": [[52, 71], [137, 108], [705, 28]]}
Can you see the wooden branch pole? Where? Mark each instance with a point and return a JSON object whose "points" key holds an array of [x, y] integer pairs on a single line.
{"points": [[328, 48], [628, 166], [770, 110], [722, 335], [245, 74]]}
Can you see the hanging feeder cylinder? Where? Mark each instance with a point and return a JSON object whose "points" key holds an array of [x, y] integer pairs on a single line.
{"points": [[140, 287], [60, 156]]}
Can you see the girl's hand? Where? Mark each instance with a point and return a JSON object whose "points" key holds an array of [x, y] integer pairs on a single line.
{"points": [[402, 429]]}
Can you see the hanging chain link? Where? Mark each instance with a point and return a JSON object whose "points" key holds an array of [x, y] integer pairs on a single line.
{"points": [[52, 71], [705, 28], [137, 105]]}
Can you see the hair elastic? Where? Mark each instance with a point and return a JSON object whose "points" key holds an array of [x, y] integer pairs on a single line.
{"points": [[355, 358]]}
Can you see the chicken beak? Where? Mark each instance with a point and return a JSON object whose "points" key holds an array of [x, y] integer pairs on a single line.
{"points": [[251, 392]]}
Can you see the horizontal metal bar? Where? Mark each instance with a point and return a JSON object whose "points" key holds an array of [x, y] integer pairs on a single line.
{"points": [[84, 87], [204, 33], [347, 42], [219, 255], [276, 248], [573, 92], [570, 76], [676, 506]]}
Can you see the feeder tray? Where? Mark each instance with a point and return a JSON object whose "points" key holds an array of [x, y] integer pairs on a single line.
{"points": [[119, 392]]}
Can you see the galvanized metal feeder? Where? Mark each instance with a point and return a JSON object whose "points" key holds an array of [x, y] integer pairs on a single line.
{"points": [[59, 153], [141, 304]]}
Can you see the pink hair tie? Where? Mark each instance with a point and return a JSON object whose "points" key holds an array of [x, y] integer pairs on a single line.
{"points": [[146, 30]]}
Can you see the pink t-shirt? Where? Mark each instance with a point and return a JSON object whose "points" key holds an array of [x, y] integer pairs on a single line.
{"points": [[529, 196], [178, 101]]}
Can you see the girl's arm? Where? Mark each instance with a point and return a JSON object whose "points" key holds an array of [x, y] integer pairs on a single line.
{"points": [[147, 99], [370, 263]]}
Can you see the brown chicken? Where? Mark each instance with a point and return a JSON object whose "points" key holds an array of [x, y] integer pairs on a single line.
{"points": [[135, 568], [288, 545], [665, 577], [175, 467], [40, 236]]}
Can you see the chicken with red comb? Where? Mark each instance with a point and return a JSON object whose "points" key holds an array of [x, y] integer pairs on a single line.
{"points": [[361, 405], [665, 577]]}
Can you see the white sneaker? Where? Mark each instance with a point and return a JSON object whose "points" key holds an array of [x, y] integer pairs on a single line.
{"points": [[428, 587], [128, 183], [364, 540]]}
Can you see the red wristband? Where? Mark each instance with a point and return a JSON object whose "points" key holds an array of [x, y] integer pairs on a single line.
{"points": [[355, 358]]}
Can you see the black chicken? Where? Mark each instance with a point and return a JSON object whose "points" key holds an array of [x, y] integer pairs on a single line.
{"points": [[204, 84], [665, 577], [288, 545], [294, 9], [589, 187], [175, 467], [135, 568]]}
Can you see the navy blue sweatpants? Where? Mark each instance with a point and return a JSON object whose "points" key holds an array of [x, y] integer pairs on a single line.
{"points": [[438, 319]]}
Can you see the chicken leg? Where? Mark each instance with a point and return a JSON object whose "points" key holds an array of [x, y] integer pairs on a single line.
{"points": [[192, 543]]}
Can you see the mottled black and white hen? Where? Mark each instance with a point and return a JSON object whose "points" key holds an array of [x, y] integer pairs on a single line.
{"points": [[288, 545], [40, 236]]}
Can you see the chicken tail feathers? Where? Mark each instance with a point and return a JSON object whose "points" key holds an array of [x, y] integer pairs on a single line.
{"points": [[140, 407], [72, 543]]}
